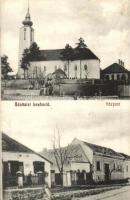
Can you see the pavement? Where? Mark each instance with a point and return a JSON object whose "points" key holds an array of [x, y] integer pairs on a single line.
{"points": [[122, 193]]}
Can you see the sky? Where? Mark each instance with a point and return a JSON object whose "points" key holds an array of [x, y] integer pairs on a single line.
{"points": [[104, 25], [91, 121]]}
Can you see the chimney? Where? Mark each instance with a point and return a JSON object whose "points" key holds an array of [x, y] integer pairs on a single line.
{"points": [[119, 61]]}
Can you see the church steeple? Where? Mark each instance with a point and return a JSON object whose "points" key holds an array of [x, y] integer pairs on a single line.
{"points": [[26, 38], [27, 21]]}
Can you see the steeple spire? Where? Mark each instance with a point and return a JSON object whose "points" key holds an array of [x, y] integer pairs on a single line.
{"points": [[27, 20], [28, 6]]}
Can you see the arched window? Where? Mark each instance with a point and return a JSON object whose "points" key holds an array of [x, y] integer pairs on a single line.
{"points": [[24, 33], [75, 68], [85, 67]]}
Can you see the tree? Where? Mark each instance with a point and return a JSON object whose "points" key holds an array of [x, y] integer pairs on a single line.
{"points": [[61, 154], [25, 62], [68, 54], [5, 67], [35, 53], [80, 52]]}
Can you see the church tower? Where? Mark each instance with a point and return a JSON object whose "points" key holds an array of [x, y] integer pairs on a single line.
{"points": [[26, 38]]}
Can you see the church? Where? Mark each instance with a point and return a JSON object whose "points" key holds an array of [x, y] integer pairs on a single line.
{"points": [[87, 68]]}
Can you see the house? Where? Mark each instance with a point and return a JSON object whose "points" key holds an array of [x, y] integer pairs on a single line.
{"points": [[126, 165], [116, 71], [87, 163], [18, 158], [51, 59]]}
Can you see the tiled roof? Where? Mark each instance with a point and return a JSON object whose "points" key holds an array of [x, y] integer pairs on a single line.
{"points": [[11, 145], [55, 54], [126, 156], [103, 150], [114, 68]]}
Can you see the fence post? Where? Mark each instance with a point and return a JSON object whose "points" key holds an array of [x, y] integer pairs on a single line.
{"points": [[20, 179]]}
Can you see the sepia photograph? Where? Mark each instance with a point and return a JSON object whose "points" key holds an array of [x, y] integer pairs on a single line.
{"points": [[65, 50], [72, 154]]}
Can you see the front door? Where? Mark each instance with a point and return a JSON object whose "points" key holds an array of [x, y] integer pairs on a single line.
{"points": [[106, 172]]}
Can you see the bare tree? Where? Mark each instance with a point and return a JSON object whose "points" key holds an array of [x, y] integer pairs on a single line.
{"points": [[61, 154]]}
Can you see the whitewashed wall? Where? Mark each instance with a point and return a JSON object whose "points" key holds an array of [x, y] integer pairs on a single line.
{"points": [[100, 175], [93, 70], [80, 166], [27, 159]]}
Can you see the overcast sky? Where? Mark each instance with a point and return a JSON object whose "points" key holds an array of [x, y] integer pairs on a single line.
{"points": [[104, 24], [91, 121]]}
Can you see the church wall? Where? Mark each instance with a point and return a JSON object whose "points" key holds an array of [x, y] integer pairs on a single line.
{"points": [[92, 72]]}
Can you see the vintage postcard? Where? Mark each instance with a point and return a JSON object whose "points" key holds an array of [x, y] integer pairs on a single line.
{"points": [[53, 49], [67, 50], [80, 152]]}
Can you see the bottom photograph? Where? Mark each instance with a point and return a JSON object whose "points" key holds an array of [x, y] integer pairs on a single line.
{"points": [[84, 158]]}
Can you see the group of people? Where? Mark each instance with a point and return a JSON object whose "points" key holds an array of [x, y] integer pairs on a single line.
{"points": [[47, 89]]}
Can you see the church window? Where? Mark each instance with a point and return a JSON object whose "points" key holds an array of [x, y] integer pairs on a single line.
{"points": [[85, 67], [44, 68], [24, 33], [75, 67]]}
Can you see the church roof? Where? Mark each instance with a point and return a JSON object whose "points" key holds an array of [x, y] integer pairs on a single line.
{"points": [[114, 68], [11, 145], [55, 54]]}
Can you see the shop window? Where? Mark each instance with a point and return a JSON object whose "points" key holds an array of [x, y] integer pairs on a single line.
{"points": [[98, 167]]}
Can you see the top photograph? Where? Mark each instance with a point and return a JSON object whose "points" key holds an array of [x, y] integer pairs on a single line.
{"points": [[65, 50]]}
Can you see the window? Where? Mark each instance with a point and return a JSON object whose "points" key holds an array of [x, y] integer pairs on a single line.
{"points": [[24, 33], [38, 166], [15, 166], [75, 67], [114, 166], [112, 76], [85, 67], [127, 169], [44, 68], [98, 165]]}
